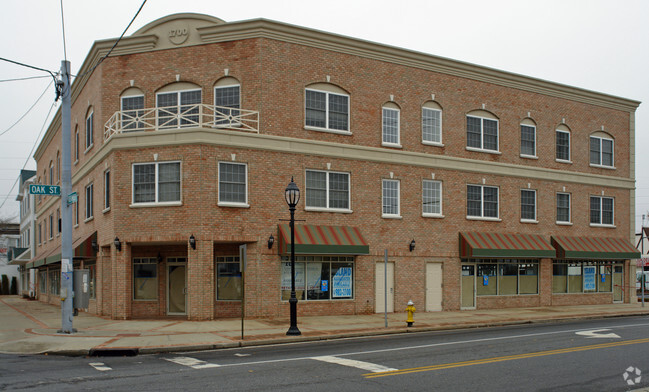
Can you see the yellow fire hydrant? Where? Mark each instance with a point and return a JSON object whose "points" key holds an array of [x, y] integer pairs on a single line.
{"points": [[410, 309]]}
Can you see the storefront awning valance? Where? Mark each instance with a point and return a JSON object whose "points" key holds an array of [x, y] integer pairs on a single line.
{"points": [[323, 240], [594, 248], [501, 245], [82, 249]]}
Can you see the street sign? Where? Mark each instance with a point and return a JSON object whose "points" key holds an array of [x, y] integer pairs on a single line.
{"points": [[47, 190], [73, 198]]}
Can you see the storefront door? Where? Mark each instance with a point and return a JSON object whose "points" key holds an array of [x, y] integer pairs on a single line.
{"points": [[176, 289], [433, 287], [381, 305], [618, 282], [468, 286]]}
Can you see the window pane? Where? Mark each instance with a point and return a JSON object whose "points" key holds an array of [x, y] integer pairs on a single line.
{"points": [[559, 278], [338, 112], [390, 126], [595, 150], [507, 279], [563, 145], [316, 189], [474, 200], [473, 132], [528, 140], [528, 204], [490, 134], [228, 281], [145, 278], [189, 109], [563, 207], [487, 281], [490, 202], [169, 104], [286, 280], [432, 197], [131, 110], [390, 197], [342, 280], [607, 152], [431, 125], [607, 211], [169, 182], [338, 190], [228, 100], [316, 109], [232, 182], [595, 210], [528, 278], [575, 280]]}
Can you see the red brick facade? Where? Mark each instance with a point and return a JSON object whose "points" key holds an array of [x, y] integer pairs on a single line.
{"points": [[273, 73]]}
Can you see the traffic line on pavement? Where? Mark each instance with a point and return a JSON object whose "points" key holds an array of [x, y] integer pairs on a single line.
{"points": [[192, 362], [372, 367], [506, 358], [100, 366]]}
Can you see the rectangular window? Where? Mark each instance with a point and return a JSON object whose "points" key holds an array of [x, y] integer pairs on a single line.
{"points": [[391, 126], [431, 125], [51, 226], [582, 276], [319, 278], [528, 140], [601, 210], [132, 112], [391, 202], [89, 201], [326, 110], [601, 151], [76, 213], [563, 145], [42, 282], [482, 201], [563, 207], [40, 239], [58, 221], [89, 130], [528, 205], [506, 276], [76, 145], [178, 104], [145, 278], [55, 282], [233, 183], [228, 278], [432, 198], [328, 190], [482, 133], [106, 189], [156, 182], [228, 102]]}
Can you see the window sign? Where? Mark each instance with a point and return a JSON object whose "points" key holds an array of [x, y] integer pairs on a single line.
{"points": [[313, 273], [342, 283], [485, 280], [286, 276], [324, 286], [589, 278]]}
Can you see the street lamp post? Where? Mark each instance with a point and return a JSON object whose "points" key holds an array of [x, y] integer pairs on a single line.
{"points": [[292, 195]]}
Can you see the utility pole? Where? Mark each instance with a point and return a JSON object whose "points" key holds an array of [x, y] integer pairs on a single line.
{"points": [[66, 209]]}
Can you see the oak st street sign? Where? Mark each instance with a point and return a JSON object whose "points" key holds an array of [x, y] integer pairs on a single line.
{"points": [[48, 190]]}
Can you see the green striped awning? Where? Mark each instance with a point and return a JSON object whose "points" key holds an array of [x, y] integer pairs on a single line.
{"points": [[322, 240], [496, 245], [594, 248]]}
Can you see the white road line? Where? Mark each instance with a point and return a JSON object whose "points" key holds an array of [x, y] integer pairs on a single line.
{"points": [[192, 362], [370, 367], [100, 366]]}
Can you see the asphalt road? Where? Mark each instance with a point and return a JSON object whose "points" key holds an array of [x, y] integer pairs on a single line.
{"points": [[591, 355]]}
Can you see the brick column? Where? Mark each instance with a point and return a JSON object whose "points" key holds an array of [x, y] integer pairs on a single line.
{"points": [[200, 281], [545, 282], [121, 283]]}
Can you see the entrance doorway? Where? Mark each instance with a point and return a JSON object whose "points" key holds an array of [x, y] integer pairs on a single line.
{"points": [[433, 287], [468, 286], [618, 282], [380, 301], [176, 286]]}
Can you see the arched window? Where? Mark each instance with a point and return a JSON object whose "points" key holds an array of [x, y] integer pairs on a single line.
{"points": [[227, 99], [326, 108], [89, 128], [562, 143], [390, 125], [602, 149], [132, 103], [528, 138], [178, 99], [482, 131], [431, 123]]}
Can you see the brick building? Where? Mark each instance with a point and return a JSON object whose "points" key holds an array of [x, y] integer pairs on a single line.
{"points": [[487, 189]]}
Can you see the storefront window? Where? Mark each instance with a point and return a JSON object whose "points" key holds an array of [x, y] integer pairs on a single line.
{"points": [[42, 282], [145, 278], [92, 272], [488, 284], [508, 279], [319, 277], [55, 280], [582, 276], [528, 278], [505, 276], [228, 278]]}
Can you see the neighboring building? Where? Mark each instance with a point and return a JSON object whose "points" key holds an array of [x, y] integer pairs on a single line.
{"points": [[22, 254], [9, 239], [488, 189]]}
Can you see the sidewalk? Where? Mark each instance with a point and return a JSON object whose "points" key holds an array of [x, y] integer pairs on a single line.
{"points": [[30, 327]]}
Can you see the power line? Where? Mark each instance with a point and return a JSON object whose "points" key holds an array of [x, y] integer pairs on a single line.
{"points": [[116, 42], [26, 78], [29, 66], [28, 110], [30, 153]]}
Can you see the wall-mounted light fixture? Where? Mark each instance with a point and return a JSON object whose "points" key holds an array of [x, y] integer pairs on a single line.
{"points": [[271, 241], [192, 241], [412, 245], [118, 245]]}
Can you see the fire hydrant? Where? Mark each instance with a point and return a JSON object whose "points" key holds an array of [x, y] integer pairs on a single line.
{"points": [[410, 309]]}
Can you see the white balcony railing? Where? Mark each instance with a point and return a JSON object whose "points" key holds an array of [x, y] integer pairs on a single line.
{"points": [[184, 116]]}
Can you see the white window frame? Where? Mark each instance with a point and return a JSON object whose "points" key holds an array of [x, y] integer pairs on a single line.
{"points": [[328, 190], [556, 150], [138, 112], [601, 212], [89, 202], [222, 203], [601, 142], [522, 154], [89, 134], [106, 191], [76, 145], [482, 203], [527, 220], [396, 215], [482, 135], [179, 109], [569, 221], [157, 186], [423, 201], [327, 128], [423, 127], [384, 129]]}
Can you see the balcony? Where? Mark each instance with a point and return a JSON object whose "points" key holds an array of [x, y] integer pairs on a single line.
{"points": [[183, 116]]}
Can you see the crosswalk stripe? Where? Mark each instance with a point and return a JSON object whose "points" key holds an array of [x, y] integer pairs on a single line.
{"points": [[372, 367], [100, 366], [192, 362]]}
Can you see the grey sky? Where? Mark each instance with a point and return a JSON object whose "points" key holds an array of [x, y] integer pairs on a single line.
{"points": [[597, 45]]}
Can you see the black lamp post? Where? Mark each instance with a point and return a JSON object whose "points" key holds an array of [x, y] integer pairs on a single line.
{"points": [[292, 195]]}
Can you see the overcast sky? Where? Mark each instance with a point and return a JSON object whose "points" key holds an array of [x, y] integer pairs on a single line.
{"points": [[596, 45]]}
